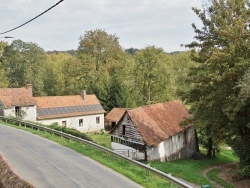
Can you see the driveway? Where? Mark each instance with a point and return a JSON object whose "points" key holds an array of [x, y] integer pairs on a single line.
{"points": [[44, 163]]}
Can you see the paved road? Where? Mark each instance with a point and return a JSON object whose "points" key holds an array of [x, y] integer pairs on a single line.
{"points": [[47, 164]]}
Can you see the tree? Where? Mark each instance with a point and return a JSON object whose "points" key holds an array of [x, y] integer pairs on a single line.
{"points": [[3, 78], [23, 63], [221, 56], [152, 76], [181, 64], [100, 46], [100, 54]]}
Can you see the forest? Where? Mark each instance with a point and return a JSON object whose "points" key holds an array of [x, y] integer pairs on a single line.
{"points": [[212, 77]]}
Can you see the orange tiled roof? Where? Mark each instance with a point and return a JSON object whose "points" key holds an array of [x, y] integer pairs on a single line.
{"points": [[16, 96], [65, 101], [158, 122], [115, 114]]}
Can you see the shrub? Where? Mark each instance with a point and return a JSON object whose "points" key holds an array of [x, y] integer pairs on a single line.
{"points": [[71, 131]]}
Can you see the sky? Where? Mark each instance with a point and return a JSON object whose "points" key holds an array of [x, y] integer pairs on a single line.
{"points": [[137, 23]]}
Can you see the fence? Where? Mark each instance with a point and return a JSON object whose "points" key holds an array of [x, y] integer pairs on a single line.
{"points": [[169, 177]]}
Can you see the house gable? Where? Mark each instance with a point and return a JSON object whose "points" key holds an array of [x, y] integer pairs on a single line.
{"points": [[126, 129], [113, 117]]}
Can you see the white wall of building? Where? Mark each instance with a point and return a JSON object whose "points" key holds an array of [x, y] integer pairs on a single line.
{"points": [[90, 123], [173, 146], [29, 112]]}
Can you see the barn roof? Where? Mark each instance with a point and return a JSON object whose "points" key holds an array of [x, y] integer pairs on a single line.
{"points": [[67, 106], [115, 115], [158, 122], [16, 97]]}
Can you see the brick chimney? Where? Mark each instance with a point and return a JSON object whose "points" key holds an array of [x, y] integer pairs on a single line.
{"points": [[83, 94], [29, 88]]}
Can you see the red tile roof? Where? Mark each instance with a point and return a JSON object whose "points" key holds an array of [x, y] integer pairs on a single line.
{"points": [[115, 114], [16, 97], [158, 122], [64, 101]]}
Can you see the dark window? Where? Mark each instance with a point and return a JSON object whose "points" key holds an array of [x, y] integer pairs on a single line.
{"points": [[185, 138], [80, 122], [113, 124], [123, 129], [18, 111]]}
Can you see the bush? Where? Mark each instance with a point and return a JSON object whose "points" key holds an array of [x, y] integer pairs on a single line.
{"points": [[244, 172], [71, 131]]}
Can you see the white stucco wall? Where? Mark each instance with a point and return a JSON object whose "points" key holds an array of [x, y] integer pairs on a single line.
{"points": [[89, 122], [30, 112], [171, 146]]}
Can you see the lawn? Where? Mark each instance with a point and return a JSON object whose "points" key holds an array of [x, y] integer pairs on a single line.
{"points": [[102, 139], [190, 169]]}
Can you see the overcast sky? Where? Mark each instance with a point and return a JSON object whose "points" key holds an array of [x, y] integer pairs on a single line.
{"points": [[137, 23]]}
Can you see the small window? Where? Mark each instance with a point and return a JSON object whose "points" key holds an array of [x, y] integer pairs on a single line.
{"points": [[113, 123], [123, 129], [97, 120], [185, 138], [18, 111], [80, 122], [64, 123]]}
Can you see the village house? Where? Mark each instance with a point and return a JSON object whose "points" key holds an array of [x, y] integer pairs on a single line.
{"points": [[82, 112], [155, 131]]}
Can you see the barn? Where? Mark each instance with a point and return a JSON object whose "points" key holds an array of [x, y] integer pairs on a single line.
{"points": [[155, 131]]}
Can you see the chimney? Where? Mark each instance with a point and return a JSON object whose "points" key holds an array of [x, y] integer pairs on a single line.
{"points": [[83, 94], [29, 88]]}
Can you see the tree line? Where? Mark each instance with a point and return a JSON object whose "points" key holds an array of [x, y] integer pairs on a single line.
{"points": [[119, 77]]}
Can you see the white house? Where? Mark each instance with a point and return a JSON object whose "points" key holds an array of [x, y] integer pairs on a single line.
{"points": [[82, 112], [155, 131]]}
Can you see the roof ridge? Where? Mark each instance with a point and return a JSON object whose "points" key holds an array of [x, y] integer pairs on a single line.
{"points": [[149, 105]]}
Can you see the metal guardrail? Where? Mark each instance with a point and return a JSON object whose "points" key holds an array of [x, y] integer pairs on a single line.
{"points": [[169, 177]]}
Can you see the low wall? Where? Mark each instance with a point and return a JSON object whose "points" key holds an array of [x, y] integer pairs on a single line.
{"points": [[8, 178]]}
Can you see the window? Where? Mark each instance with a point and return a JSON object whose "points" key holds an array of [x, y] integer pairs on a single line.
{"points": [[185, 142], [113, 123], [80, 122], [98, 120], [64, 123], [123, 129], [17, 111]]}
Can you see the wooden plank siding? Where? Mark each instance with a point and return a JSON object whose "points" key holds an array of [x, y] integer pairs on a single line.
{"points": [[131, 133]]}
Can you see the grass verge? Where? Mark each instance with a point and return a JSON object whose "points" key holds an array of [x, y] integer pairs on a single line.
{"points": [[133, 172]]}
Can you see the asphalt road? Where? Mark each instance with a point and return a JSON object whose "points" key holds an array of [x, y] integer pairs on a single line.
{"points": [[47, 164]]}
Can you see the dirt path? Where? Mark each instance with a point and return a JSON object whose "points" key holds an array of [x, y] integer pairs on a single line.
{"points": [[227, 172]]}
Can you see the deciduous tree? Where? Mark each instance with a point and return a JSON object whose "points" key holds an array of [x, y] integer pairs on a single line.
{"points": [[222, 47]]}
